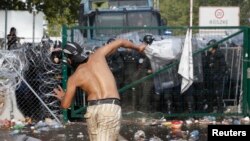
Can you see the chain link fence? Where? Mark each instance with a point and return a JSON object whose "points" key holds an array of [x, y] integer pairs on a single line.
{"points": [[153, 85], [28, 77]]}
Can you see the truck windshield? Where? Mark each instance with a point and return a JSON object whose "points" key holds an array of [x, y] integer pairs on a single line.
{"points": [[134, 19], [144, 19], [109, 20], [124, 3]]}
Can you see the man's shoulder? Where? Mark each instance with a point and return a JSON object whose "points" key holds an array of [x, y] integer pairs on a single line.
{"points": [[80, 70], [76, 76]]}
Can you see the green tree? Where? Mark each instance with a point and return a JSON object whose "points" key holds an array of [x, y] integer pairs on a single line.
{"points": [[57, 12], [177, 12]]}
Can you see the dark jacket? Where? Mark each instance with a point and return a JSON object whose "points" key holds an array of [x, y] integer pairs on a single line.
{"points": [[217, 66], [12, 39]]}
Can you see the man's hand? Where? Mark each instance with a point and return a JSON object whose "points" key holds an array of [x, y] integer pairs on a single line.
{"points": [[59, 93], [141, 47]]}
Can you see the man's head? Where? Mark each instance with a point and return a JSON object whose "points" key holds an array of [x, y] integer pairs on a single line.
{"points": [[213, 43], [75, 54], [13, 30]]}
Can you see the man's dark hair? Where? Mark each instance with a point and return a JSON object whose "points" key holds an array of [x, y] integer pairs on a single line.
{"points": [[12, 29], [75, 53]]}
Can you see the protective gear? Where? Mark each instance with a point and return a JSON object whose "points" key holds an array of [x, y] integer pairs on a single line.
{"points": [[220, 104], [215, 73], [214, 43], [75, 53], [56, 53], [148, 39], [169, 106]]}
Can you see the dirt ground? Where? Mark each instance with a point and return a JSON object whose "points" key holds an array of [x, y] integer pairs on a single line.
{"points": [[77, 131], [154, 128]]}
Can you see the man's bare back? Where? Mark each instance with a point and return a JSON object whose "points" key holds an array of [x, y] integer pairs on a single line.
{"points": [[94, 76], [96, 79]]}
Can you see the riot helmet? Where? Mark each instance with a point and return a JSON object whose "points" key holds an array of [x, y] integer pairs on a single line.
{"points": [[148, 39], [214, 43]]}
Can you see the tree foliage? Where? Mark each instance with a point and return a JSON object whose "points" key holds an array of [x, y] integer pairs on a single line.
{"points": [[175, 12], [57, 12]]}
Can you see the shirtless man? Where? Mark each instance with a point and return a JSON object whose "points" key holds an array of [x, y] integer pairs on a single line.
{"points": [[93, 75]]}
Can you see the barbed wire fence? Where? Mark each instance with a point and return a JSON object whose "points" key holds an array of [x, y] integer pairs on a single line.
{"points": [[31, 75]]}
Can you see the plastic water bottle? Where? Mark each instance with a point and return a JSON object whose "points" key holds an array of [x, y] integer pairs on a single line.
{"points": [[194, 135]]}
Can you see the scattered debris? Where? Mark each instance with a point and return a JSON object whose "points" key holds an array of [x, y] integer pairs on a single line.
{"points": [[194, 135], [175, 130], [139, 136], [155, 138], [24, 138], [245, 120], [176, 124], [80, 135]]}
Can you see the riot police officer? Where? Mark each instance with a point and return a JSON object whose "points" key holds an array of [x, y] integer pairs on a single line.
{"points": [[216, 71]]}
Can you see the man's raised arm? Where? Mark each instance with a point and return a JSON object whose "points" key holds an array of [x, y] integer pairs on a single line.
{"points": [[113, 46]]}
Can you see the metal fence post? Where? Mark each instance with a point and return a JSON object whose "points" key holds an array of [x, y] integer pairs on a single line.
{"points": [[246, 79], [5, 30], [64, 68]]}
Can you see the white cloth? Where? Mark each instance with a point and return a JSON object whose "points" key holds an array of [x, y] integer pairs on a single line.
{"points": [[167, 49], [161, 53], [186, 63]]}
